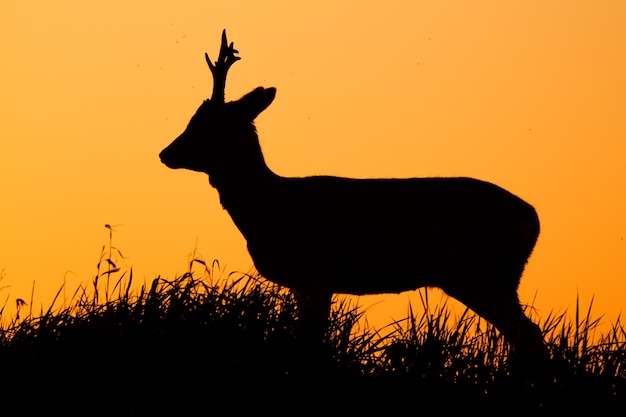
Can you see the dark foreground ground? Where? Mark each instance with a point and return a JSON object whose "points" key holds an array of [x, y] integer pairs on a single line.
{"points": [[191, 347]]}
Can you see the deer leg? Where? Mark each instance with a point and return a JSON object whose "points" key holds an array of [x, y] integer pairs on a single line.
{"points": [[313, 314], [311, 353], [502, 309]]}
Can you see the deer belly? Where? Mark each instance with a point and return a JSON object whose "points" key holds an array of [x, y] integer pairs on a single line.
{"points": [[340, 269]]}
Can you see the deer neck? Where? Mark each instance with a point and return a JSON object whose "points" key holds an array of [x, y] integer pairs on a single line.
{"points": [[243, 194], [242, 183]]}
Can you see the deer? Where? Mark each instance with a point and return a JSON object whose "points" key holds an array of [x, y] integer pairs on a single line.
{"points": [[325, 235]]}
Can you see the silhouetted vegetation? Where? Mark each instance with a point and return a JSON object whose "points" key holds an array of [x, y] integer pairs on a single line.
{"points": [[208, 345]]}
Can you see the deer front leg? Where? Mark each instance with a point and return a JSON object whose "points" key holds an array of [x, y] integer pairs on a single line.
{"points": [[313, 314]]}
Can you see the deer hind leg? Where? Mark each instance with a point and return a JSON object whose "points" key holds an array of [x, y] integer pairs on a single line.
{"points": [[501, 307]]}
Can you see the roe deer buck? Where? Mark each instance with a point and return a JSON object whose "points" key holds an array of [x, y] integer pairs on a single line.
{"points": [[322, 235]]}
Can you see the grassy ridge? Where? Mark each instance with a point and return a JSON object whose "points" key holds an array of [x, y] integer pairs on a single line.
{"points": [[197, 344]]}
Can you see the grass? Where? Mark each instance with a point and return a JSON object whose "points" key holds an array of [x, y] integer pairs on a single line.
{"points": [[204, 344]]}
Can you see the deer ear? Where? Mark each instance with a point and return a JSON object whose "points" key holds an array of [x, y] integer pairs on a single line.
{"points": [[256, 101]]}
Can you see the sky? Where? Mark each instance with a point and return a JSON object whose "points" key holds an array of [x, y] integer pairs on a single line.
{"points": [[530, 95]]}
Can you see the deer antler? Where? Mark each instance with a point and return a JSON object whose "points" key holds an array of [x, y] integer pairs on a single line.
{"points": [[220, 68]]}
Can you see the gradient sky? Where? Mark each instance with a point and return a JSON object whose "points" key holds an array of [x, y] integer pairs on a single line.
{"points": [[530, 95]]}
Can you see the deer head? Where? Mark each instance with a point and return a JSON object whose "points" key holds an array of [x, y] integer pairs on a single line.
{"points": [[220, 133]]}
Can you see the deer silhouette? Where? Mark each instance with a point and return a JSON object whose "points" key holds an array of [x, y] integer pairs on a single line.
{"points": [[322, 235]]}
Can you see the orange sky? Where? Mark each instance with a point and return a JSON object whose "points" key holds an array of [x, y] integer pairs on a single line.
{"points": [[530, 95]]}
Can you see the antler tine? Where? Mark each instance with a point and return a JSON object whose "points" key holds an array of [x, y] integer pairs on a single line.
{"points": [[220, 68]]}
